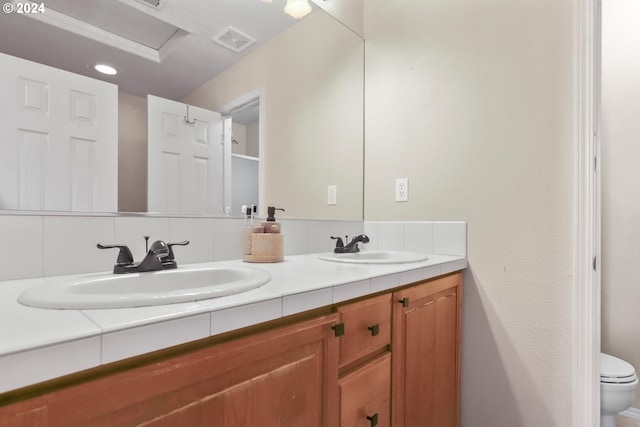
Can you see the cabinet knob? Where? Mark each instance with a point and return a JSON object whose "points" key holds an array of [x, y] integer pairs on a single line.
{"points": [[373, 419], [404, 302], [375, 329]]}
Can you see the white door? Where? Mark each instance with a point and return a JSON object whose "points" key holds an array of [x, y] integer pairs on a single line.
{"points": [[58, 139], [185, 173]]}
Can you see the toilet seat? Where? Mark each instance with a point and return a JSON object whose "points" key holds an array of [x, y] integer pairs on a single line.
{"points": [[616, 371]]}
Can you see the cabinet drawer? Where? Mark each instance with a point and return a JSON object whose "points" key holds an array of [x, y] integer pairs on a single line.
{"points": [[365, 395], [367, 327]]}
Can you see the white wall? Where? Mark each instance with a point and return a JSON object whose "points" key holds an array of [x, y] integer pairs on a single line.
{"points": [[244, 183], [620, 180], [239, 134], [253, 138], [472, 101]]}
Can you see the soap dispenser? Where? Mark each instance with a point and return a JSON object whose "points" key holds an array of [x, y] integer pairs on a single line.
{"points": [[271, 226], [268, 244]]}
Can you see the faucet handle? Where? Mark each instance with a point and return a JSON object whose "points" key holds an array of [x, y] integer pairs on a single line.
{"points": [[171, 245], [169, 261], [125, 256], [339, 243]]}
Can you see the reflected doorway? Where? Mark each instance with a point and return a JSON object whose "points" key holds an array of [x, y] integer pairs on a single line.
{"points": [[242, 152]]}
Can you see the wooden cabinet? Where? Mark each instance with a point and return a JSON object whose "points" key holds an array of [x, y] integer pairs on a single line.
{"points": [[426, 354], [389, 359], [283, 377]]}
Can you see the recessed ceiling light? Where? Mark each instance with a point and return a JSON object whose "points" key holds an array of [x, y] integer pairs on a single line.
{"points": [[105, 69]]}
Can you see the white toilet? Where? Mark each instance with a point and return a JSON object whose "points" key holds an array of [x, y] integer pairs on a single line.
{"points": [[618, 383]]}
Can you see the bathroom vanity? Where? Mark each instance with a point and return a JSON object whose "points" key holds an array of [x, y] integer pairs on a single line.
{"points": [[388, 357]]}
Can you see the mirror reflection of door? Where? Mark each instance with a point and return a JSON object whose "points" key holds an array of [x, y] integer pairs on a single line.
{"points": [[244, 174], [58, 139], [185, 158]]}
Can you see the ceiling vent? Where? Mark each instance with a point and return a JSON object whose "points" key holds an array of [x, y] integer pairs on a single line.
{"points": [[152, 3], [234, 39]]}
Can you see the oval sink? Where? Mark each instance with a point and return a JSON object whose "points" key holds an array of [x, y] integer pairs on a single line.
{"points": [[103, 290], [376, 257]]}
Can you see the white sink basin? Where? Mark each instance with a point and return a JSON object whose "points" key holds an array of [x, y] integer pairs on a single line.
{"points": [[102, 290], [376, 257]]}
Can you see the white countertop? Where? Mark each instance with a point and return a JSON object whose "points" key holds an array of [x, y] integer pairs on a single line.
{"points": [[41, 344]]}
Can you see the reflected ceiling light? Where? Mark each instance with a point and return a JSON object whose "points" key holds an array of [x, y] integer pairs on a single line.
{"points": [[105, 69], [297, 8]]}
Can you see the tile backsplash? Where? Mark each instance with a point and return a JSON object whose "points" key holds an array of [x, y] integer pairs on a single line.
{"points": [[438, 237], [51, 245], [21, 250]]}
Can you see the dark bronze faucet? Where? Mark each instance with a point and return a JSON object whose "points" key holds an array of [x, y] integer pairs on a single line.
{"points": [[159, 256], [352, 246]]}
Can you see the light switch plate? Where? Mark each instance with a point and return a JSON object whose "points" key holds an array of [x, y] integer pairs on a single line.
{"points": [[332, 195]]}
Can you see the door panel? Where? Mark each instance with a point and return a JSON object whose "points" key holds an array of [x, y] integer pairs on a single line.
{"points": [[185, 160], [59, 139]]}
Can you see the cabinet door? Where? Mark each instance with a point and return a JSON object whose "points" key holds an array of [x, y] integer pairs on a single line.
{"points": [[425, 371], [283, 377], [30, 413], [365, 395]]}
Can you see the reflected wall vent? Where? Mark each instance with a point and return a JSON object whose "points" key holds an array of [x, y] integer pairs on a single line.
{"points": [[233, 39], [152, 3]]}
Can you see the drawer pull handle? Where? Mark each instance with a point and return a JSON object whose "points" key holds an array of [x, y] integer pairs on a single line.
{"points": [[373, 419], [338, 329], [375, 329], [404, 302]]}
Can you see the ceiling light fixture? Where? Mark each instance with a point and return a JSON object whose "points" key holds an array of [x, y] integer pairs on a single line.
{"points": [[105, 69], [297, 8]]}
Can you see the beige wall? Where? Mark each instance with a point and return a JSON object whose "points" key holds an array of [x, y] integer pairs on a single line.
{"points": [[311, 76], [472, 101], [132, 153], [350, 12], [620, 180]]}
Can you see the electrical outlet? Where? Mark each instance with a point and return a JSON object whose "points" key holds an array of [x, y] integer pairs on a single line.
{"points": [[332, 195], [402, 190]]}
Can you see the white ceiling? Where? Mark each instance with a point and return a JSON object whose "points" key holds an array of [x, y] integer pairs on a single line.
{"points": [[167, 52]]}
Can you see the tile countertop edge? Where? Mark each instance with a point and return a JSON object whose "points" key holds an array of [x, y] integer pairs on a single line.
{"points": [[206, 315]]}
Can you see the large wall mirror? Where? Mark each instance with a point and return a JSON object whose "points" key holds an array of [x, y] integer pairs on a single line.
{"points": [[287, 95]]}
